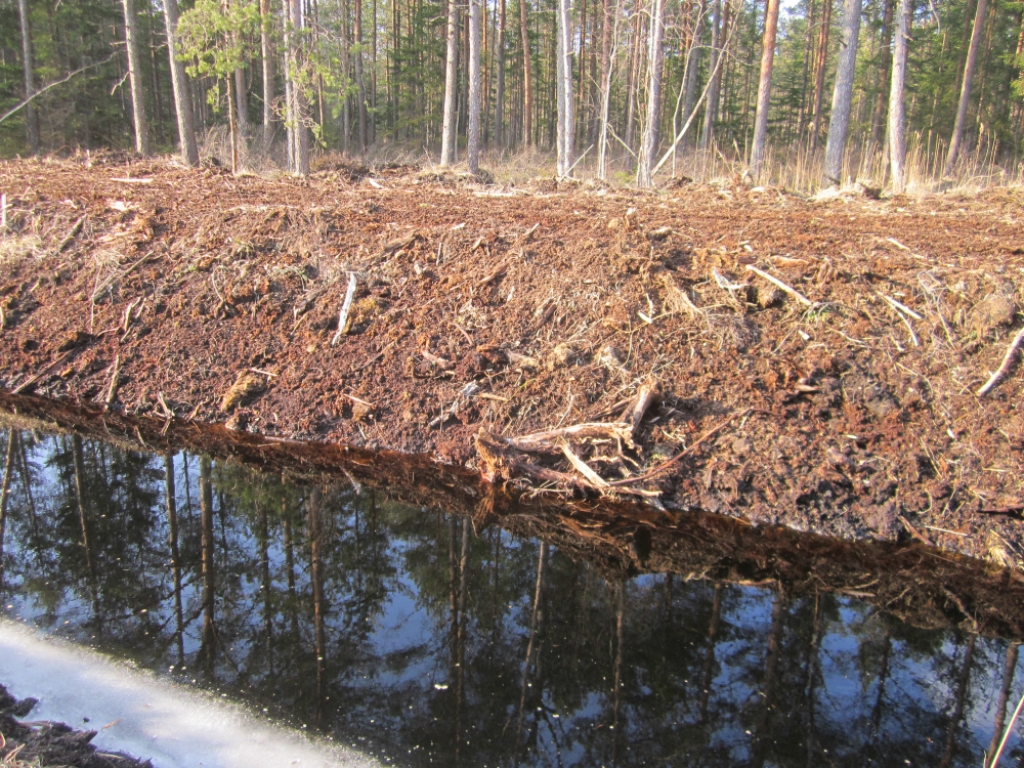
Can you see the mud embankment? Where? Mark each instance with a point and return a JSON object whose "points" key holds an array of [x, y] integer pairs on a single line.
{"points": [[814, 365]]}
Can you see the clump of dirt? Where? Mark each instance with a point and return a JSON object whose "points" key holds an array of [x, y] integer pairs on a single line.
{"points": [[810, 363], [47, 744]]}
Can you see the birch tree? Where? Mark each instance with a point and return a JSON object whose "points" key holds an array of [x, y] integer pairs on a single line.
{"points": [[897, 115], [182, 98], [842, 95], [771, 23], [566, 126], [965, 88], [31, 118], [654, 57], [131, 36]]}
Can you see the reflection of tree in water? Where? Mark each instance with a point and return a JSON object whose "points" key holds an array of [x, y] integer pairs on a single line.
{"points": [[403, 630]]}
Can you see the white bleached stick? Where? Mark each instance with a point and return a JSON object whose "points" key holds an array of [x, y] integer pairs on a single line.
{"points": [[345, 307]]}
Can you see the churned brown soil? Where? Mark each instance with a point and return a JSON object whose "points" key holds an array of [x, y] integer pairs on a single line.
{"points": [[483, 313]]}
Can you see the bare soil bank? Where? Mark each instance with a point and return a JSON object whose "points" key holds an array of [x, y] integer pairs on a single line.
{"points": [[482, 315]]}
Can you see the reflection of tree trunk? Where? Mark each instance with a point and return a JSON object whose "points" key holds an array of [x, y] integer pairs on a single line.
{"points": [[620, 609], [460, 639], [883, 674], [709, 660], [268, 627], [761, 727], [206, 650], [1004, 694], [83, 505], [536, 617], [314, 529], [26, 477], [958, 709], [172, 523], [811, 665], [5, 489]]}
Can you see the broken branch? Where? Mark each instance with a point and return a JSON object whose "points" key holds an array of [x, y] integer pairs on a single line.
{"points": [[780, 285], [1004, 368], [345, 307]]}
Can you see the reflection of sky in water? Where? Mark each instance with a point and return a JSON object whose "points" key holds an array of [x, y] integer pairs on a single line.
{"points": [[423, 674]]}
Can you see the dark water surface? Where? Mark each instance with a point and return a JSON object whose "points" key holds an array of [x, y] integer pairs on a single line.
{"points": [[399, 630]]}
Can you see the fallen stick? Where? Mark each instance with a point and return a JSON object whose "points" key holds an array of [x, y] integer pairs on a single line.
{"points": [[1004, 368], [112, 389], [493, 276], [75, 228], [669, 462], [30, 382], [780, 285], [901, 307], [345, 307], [543, 442], [643, 401], [581, 466], [910, 328]]}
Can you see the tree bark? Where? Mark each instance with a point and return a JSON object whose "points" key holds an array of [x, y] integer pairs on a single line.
{"points": [[448, 127], [31, 118], [692, 67], [648, 145], [300, 134], [357, 35], [566, 124], [267, 56], [965, 88], [179, 83], [527, 76], [842, 95], [710, 106], [771, 22], [499, 97], [131, 36], [821, 60], [878, 122], [609, 28], [897, 115], [473, 127]]}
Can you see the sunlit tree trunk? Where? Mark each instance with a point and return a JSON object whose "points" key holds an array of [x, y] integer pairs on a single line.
{"points": [[267, 55], [357, 40], [820, 63], [648, 144], [965, 88], [131, 34], [527, 76], [771, 22], [609, 29], [448, 127], [710, 107], [897, 115], [473, 127], [566, 130], [878, 122], [179, 83], [241, 102], [842, 95], [172, 525], [31, 117], [499, 96]]}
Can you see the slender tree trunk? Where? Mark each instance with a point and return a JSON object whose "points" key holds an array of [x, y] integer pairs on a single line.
{"points": [[527, 76], [131, 34], [692, 70], [842, 95], [897, 115], [31, 118], [878, 122], [499, 97], [771, 22], [300, 132], [566, 130], [710, 106], [648, 145], [182, 98], [473, 127], [821, 62], [965, 88], [267, 56], [609, 29], [357, 35], [241, 101], [448, 127]]}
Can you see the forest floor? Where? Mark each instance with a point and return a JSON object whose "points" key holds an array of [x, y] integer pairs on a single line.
{"points": [[564, 338]]}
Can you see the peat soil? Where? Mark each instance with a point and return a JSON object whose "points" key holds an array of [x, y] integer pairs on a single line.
{"points": [[45, 743], [488, 322]]}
